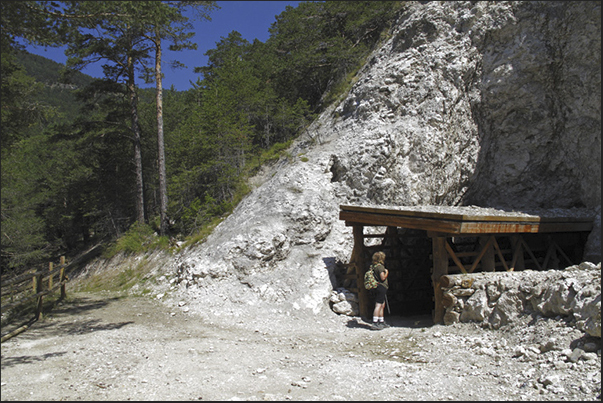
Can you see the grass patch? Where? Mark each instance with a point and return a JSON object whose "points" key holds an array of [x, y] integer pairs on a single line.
{"points": [[202, 234], [139, 239], [270, 155], [120, 280]]}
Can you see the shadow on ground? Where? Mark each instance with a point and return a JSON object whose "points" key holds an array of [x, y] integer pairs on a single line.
{"points": [[52, 323], [404, 322]]}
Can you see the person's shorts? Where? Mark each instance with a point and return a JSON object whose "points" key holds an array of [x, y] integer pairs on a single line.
{"points": [[380, 292]]}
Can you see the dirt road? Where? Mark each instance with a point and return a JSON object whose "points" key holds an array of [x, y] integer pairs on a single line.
{"points": [[101, 347]]}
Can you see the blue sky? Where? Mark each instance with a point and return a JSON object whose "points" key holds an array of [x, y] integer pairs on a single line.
{"points": [[251, 18]]}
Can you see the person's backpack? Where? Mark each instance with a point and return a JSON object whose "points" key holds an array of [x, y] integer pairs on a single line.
{"points": [[370, 281]]}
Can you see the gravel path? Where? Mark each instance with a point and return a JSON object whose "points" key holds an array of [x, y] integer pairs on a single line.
{"points": [[103, 347]]}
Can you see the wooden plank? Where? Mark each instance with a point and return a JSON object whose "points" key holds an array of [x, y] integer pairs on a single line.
{"points": [[497, 228], [462, 223], [409, 212], [544, 216], [356, 218]]}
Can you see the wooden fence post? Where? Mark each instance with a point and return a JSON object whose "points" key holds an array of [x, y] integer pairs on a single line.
{"points": [[37, 288], [50, 267], [62, 278]]}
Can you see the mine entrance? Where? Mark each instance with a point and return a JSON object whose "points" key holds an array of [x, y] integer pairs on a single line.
{"points": [[408, 253], [421, 246]]}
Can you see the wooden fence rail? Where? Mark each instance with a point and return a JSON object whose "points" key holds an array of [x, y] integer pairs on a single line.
{"points": [[40, 288]]}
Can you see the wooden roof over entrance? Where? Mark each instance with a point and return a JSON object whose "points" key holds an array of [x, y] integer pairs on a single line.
{"points": [[486, 224], [469, 219]]}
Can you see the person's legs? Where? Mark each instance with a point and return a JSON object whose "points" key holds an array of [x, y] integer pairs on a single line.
{"points": [[376, 313], [379, 307], [382, 316], [380, 310]]}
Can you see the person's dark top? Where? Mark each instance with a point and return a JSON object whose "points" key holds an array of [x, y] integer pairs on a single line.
{"points": [[378, 269]]}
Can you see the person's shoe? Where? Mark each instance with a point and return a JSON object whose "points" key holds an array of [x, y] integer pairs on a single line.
{"points": [[384, 325], [376, 326]]}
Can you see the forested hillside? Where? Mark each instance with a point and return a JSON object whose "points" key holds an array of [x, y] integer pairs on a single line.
{"points": [[54, 93], [82, 158]]}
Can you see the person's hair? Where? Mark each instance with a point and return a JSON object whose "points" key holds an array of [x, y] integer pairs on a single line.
{"points": [[379, 257]]}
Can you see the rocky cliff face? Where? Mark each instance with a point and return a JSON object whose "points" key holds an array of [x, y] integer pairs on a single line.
{"points": [[496, 104]]}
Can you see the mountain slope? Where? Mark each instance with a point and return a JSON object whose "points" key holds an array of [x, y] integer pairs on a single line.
{"points": [[55, 93]]}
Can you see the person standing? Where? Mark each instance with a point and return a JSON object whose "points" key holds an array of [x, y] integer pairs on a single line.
{"points": [[381, 273]]}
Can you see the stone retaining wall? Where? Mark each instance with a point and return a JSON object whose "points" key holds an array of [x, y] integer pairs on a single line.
{"points": [[497, 299]]}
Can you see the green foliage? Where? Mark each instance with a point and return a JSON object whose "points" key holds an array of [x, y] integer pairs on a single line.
{"points": [[202, 233], [139, 238], [319, 43]]}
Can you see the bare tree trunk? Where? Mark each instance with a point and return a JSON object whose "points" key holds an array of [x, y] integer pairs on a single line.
{"points": [[140, 216], [163, 199]]}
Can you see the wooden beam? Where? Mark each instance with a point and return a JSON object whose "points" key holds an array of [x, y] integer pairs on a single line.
{"points": [[525, 245], [481, 254], [454, 258], [356, 218], [563, 253], [500, 255]]}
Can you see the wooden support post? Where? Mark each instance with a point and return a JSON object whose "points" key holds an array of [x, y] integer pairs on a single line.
{"points": [[358, 260], [518, 262], [488, 258], [440, 268]]}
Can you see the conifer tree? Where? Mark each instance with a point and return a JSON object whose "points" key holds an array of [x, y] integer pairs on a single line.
{"points": [[165, 21]]}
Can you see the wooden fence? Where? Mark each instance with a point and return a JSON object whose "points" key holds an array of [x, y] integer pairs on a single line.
{"points": [[15, 291]]}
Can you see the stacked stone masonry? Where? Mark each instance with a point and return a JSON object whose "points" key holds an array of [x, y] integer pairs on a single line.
{"points": [[498, 299]]}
